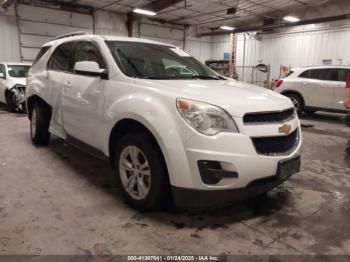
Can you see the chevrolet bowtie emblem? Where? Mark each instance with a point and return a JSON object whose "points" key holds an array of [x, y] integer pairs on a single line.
{"points": [[285, 129]]}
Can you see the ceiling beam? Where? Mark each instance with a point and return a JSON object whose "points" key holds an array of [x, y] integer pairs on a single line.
{"points": [[155, 6], [281, 25]]}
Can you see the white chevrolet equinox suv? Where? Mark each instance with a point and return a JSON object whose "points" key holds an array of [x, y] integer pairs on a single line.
{"points": [[196, 139]]}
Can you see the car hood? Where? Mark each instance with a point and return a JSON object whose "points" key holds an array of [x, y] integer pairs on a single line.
{"points": [[16, 81], [237, 98]]}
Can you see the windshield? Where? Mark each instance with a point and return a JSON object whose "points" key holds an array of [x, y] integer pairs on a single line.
{"points": [[151, 61], [19, 71]]}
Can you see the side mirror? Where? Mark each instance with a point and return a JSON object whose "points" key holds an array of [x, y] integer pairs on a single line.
{"points": [[90, 68], [2, 75]]}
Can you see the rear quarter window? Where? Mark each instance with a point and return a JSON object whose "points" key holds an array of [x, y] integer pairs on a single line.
{"points": [[305, 74], [289, 74]]}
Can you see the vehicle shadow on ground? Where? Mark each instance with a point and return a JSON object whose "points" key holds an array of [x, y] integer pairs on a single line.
{"points": [[101, 176], [4, 109], [325, 117]]}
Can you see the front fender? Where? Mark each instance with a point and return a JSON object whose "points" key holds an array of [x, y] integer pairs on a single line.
{"points": [[160, 117]]}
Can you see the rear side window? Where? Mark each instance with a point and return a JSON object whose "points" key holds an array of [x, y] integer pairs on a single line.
{"points": [[305, 74], [61, 60], [342, 74], [325, 74], [87, 51], [42, 52]]}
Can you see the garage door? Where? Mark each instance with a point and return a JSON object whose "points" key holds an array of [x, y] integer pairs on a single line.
{"points": [[162, 34], [39, 25]]}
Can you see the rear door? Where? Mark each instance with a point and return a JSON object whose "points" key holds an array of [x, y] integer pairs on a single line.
{"points": [[321, 84], [59, 64], [339, 89], [83, 96]]}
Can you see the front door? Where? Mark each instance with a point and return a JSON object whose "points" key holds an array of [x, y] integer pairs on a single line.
{"points": [[83, 97]]}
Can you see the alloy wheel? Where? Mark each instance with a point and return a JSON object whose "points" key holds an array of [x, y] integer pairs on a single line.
{"points": [[135, 172]]}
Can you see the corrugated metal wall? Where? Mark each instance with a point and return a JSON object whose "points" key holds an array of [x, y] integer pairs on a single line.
{"points": [[199, 48], [220, 45], [302, 46]]}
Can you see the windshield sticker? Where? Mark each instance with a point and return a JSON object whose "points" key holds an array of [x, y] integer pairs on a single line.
{"points": [[179, 52]]}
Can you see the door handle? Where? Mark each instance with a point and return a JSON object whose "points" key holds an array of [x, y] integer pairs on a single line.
{"points": [[67, 85]]}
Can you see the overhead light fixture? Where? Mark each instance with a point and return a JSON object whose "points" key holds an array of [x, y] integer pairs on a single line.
{"points": [[144, 12], [229, 28], [291, 19]]}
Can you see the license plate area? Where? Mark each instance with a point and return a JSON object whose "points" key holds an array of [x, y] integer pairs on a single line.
{"points": [[288, 167]]}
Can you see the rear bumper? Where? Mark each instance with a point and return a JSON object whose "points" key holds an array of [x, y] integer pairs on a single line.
{"points": [[193, 199]]}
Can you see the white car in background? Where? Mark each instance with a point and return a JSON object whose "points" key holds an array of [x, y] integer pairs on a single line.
{"points": [[312, 89], [197, 138], [13, 84]]}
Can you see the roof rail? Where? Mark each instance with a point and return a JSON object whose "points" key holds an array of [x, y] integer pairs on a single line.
{"points": [[70, 34]]}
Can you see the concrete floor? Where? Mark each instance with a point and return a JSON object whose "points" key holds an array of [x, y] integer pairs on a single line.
{"points": [[58, 200]]}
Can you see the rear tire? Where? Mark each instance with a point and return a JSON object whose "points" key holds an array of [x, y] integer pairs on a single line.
{"points": [[297, 102], [140, 172], [39, 125], [310, 112]]}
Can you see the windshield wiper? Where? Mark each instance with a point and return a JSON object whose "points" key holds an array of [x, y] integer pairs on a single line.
{"points": [[156, 77], [207, 77]]}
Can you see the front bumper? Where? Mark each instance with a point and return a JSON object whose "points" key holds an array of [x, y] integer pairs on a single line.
{"points": [[185, 198]]}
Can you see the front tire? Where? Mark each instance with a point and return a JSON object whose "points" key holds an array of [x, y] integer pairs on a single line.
{"points": [[347, 120], [141, 172], [297, 102], [39, 125], [10, 101]]}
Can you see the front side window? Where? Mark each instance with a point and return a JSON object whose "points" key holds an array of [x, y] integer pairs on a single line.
{"points": [[18, 71], [62, 57], [87, 51], [152, 61]]}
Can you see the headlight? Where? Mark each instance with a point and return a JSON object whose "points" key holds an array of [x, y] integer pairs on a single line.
{"points": [[205, 118]]}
